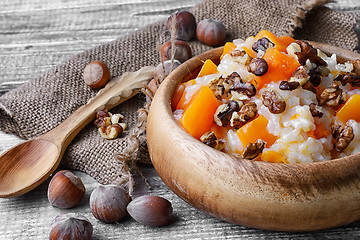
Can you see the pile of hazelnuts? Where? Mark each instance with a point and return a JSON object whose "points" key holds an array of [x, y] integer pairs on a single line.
{"points": [[108, 203], [208, 31]]}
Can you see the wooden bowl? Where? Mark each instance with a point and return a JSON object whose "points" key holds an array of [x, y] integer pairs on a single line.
{"points": [[272, 196]]}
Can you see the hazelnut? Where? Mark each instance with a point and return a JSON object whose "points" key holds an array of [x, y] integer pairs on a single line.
{"points": [[108, 203], [262, 44], [71, 226], [150, 210], [185, 25], [182, 51], [96, 74], [65, 190], [162, 70], [258, 66], [211, 32], [166, 67]]}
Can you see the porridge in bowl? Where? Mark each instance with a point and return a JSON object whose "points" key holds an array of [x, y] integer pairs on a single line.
{"points": [[274, 99]]}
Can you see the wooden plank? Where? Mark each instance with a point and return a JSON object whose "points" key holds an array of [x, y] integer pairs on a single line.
{"points": [[32, 42]]}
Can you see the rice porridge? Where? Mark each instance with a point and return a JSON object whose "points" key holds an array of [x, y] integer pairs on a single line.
{"points": [[274, 99]]}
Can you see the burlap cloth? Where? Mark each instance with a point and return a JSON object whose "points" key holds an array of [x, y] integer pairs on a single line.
{"points": [[42, 103]]}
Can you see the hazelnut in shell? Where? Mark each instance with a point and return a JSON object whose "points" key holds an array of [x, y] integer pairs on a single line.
{"points": [[182, 51], [150, 210], [71, 226], [166, 67], [65, 190], [211, 32], [96, 74], [184, 23], [108, 203]]}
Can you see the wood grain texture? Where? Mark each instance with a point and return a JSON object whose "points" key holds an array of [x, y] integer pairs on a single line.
{"points": [[36, 35]]}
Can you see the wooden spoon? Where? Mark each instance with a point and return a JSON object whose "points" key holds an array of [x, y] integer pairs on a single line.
{"points": [[30, 163]]}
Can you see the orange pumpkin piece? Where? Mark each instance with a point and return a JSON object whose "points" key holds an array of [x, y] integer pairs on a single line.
{"points": [[250, 52], [179, 90], [319, 132], [228, 47], [273, 157], [220, 132], [198, 118], [208, 68], [286, 40], [350, 110], [254, 130], [183, 101], [279, 44], [280, 67]]}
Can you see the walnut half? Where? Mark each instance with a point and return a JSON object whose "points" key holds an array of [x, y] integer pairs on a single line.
{"points": [[210, 139], [252, 150], [111, 131], [332, 96], [109, 125], [273, 101], [343, 136], [246, 113]]}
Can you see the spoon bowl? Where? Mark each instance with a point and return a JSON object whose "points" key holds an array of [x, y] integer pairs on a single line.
{"points": [[41, 156]]}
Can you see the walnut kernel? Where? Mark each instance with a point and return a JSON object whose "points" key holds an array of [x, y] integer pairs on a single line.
{"points": [[332, 96], [210, 139], [109, 125], [343, 136], [273, 101], [252, 150]]}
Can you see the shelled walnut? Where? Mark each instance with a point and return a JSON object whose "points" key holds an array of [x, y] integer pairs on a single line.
{"points": [[210, 139], [252, 150], [110, 125], [224, 112], [246, 113], [343, 135], [273, 101], [241, 57], [332, 96]]}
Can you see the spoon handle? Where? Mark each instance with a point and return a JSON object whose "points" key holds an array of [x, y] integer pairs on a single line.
{"points": [[118, 90]]}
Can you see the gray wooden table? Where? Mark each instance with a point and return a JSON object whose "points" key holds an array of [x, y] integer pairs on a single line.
{"points": [[36, 35]]}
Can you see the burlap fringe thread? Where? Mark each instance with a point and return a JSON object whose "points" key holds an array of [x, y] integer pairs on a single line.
{"points": [[129, 156], [301, 12]]}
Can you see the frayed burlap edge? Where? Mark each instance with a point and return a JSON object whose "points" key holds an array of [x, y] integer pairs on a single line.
{"points": [[301, 11], [129, 155]]}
